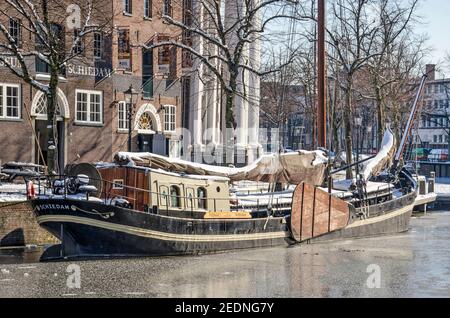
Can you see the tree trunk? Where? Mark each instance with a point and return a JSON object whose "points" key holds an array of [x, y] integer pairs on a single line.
{"points": [[348, 126], [334, 121], [380, 116], [52, 142]]}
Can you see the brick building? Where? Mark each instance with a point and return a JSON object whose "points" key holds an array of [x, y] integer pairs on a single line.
{"points": [[92, 107]]}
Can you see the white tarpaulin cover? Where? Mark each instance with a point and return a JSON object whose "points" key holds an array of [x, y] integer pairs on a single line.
{"points": [[384, 157], [294, 168]]}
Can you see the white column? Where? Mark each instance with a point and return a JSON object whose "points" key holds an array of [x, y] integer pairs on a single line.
{"points": [[255, 147], [234, 10], [212, 104], [197, 90]]}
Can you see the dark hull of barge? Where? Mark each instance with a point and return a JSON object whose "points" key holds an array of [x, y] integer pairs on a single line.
{"points": [[94, 230]]}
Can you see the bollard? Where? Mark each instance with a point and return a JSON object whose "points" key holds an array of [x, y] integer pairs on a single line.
{"points": [[421, 180], [422, 187], [432, 182]]}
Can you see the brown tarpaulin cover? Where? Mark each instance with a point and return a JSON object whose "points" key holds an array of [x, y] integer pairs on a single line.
{"points": [[293, 168]]}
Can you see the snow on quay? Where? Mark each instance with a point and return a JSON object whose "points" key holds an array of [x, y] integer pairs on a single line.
{"points": [[12, 192]]}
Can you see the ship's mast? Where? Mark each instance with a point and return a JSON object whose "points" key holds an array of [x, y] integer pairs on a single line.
{"points": [[411, 120], [321, 78]]}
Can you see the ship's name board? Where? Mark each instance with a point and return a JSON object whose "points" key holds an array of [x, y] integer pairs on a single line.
{"points": [[52, 207], [81, 70]]}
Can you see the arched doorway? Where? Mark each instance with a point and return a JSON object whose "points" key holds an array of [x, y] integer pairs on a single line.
{"points": [[39, 117], [149, 130]]}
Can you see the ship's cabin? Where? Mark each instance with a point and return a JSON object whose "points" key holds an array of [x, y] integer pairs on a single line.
{"points": [[161, 192]]}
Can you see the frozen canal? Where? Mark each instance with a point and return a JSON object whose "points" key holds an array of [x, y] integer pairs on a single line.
{"points": [[415, 264]]}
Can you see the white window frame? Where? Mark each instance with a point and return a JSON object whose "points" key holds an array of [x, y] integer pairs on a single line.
{"points": [[148, 9], [4, 97], [123, 120], [100, 43], [89, 93], [170, 118], [128, 7], [78, 46], [167, 8], [16, 30], [118, 184]]}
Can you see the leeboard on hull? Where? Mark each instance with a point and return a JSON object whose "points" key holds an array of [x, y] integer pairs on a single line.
{"points": [[315, 213]]}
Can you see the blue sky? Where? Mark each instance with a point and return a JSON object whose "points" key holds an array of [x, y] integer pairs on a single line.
{"points": [[436, 18]]}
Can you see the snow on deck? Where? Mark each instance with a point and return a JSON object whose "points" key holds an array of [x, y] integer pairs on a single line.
{"points": [[344, 185]]}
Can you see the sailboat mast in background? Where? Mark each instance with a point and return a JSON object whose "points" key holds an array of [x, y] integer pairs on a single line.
{"points": [[321, 78]]}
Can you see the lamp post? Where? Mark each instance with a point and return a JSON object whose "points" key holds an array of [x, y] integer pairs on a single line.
{"points": [[370, 141], [358, 122], [129, 102]]}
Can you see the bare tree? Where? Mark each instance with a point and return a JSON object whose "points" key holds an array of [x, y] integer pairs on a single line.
{"points": [[400, 54], [49, 23], [363, 33]]}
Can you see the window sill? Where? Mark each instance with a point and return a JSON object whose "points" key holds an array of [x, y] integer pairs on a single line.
{"points": [[46, 77], [88, 124], [148, 18], [122, 131], [16, 120], [169, 132], [127, 14], [124, 71]]}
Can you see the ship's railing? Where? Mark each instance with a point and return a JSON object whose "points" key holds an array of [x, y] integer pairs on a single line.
{"points": [[64, 186]]}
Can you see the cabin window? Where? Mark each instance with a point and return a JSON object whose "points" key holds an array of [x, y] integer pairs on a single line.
{"points": [[163, 190], [175, 197], [201, 197], [118, 184], [190, 197]]}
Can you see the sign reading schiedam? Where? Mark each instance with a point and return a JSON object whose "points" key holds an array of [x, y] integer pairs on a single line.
{"points": [[13, 61], [82, 70]]}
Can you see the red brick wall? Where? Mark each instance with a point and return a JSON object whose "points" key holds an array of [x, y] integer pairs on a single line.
{"points": [[18, 226]]}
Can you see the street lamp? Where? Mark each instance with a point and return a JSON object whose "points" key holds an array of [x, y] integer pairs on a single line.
{"points": [[370, 135], [358, 123], [129, 93]]}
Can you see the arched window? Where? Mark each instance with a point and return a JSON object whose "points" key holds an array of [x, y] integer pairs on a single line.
{"points": [[175, 197], [201, 197]]}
